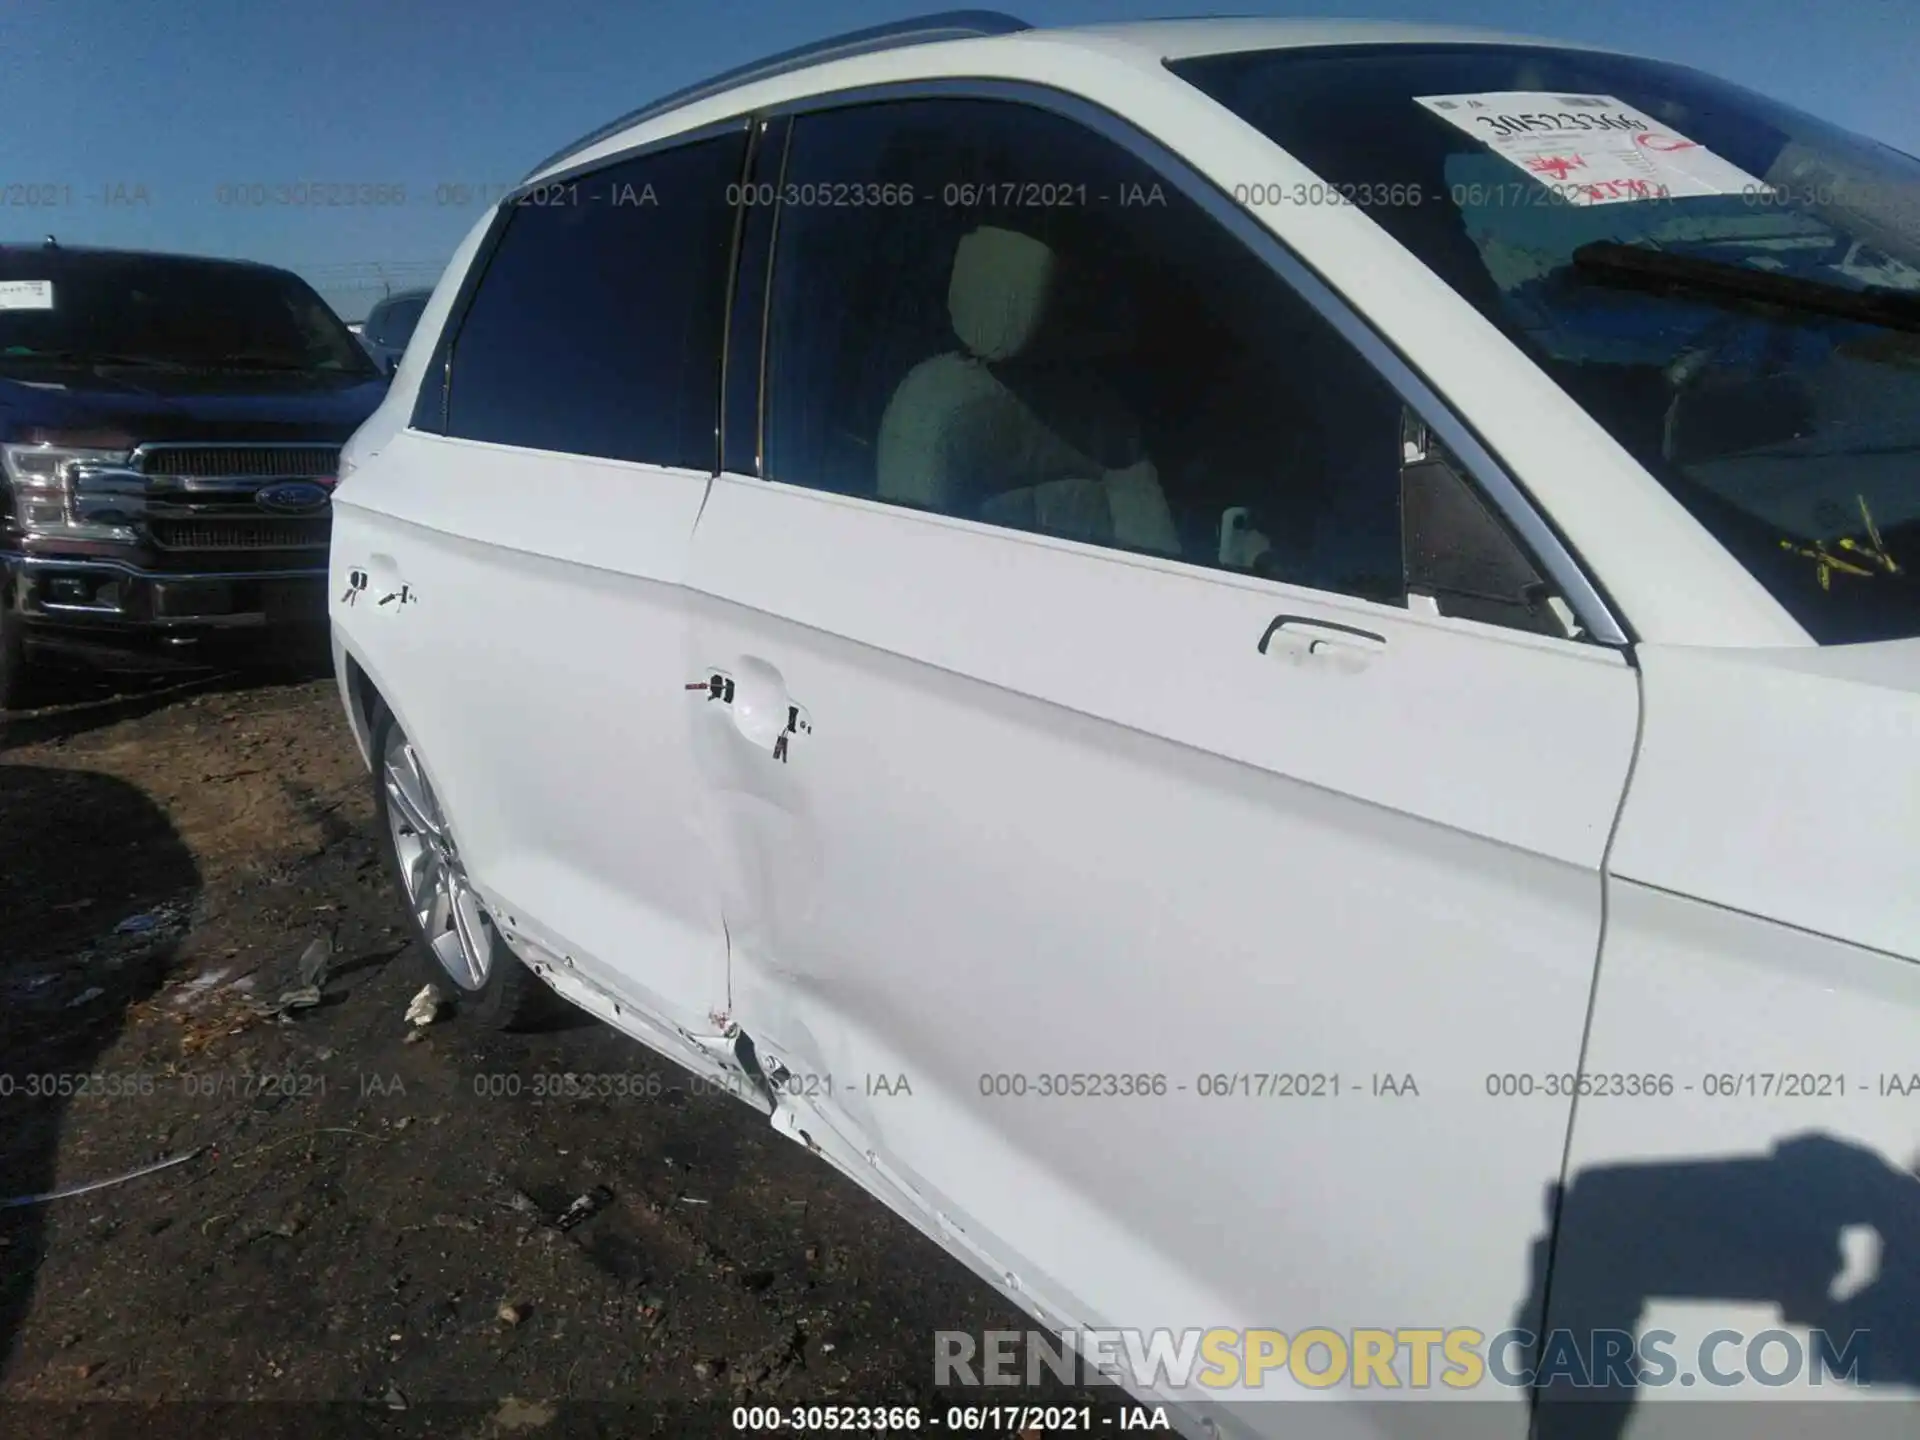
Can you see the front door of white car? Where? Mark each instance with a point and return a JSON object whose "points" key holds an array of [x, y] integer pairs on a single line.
{"points": [[539, 524], [1118, 859]]}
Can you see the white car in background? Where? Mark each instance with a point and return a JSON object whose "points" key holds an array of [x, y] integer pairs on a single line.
{"points": [[389, 326], [1263, 671]]}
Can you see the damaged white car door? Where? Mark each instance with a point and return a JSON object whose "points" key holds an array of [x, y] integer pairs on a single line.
{"points": [[1114, 848], [539, 512]]}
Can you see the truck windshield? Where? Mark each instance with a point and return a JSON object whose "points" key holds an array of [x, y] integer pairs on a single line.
{"points": [[1729, 286], [103, 309]]}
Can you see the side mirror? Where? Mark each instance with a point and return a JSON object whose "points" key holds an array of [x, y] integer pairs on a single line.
{"points": [[1459, 553]]}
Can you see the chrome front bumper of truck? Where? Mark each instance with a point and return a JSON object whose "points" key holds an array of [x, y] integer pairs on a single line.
{"points": [[107, 609]]}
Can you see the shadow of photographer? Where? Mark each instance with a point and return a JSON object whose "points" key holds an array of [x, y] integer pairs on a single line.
{"points": [[1767, 1229], [79, 853]]}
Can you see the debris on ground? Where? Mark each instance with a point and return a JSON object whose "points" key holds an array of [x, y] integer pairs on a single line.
{"points": [[305, 998], [516, 1414], [314, 961], [195, 990], [148, 930], [424, 1008], [512, 1313], [521, 1203], [88, 1187], [584, 1207]]}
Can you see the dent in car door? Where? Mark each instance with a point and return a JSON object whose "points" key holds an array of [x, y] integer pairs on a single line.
{"points": [[1193, 908], [542, 541]]}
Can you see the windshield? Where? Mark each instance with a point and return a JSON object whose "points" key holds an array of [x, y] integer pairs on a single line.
{"points": [[93, 308], [1763, 364]]}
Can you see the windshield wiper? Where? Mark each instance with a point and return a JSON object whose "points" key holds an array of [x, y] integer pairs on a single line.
{"points": [[259, 360], [91, 357], [1615, 263]]}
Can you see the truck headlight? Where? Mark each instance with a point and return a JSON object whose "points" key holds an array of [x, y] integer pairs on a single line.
{"points": [[73, 492]]}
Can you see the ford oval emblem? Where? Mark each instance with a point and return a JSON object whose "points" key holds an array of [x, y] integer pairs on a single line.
{"points": [[291, 497]]}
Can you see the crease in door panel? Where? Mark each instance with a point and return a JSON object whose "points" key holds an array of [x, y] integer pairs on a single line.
{"points": [[705, 495], [1538, 1321]]}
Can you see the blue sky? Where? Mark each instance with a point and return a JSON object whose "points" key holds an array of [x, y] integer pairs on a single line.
{"points": [[130, 116]]}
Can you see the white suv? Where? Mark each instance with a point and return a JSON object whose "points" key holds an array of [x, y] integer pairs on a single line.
{"points": [[1264, 672]]}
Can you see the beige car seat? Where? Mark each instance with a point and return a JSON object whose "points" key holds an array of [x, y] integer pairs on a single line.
{"points": [[982, 431]]}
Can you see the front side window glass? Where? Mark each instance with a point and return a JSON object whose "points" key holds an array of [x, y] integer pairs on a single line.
{"points": [[986, 310]]}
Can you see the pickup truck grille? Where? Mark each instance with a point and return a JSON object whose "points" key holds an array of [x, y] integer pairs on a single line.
{"points": [[242, 532], [199, 512], [240, 462]]}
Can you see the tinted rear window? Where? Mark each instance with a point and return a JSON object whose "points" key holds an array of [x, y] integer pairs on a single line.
{"points": [[596, 326]]}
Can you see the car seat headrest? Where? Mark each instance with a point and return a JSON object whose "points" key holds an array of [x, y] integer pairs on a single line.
{"points": [[1002, 285]]}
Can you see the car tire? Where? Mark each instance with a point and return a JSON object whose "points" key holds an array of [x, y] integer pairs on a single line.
{"points": [[461, 950], [19, 676]]}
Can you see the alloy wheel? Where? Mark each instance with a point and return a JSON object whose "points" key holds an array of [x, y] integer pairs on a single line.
{"points": [[457, 927]]}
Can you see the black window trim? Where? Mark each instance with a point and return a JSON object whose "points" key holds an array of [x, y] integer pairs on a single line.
{"points": [[714, 130], [1598, 617], [749, 154], [765, 284], [743, 363]]}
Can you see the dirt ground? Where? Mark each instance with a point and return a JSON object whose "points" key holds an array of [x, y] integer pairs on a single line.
{"points": [[369, 1236]]}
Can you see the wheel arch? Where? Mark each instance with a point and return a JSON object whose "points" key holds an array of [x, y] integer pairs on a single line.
{"points": [[361, 698]]}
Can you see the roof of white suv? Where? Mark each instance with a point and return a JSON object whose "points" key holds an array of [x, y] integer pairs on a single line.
{"points": [[1178, 39], [901, 50]]}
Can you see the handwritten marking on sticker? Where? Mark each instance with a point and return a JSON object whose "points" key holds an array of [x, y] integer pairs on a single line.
{"points": [[1558, 166], [1603, 151], [26, 295], [1663, 144]]}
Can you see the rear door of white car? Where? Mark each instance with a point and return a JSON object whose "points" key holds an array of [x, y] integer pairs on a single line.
{"points": [[532, 529], [1163, 924]]}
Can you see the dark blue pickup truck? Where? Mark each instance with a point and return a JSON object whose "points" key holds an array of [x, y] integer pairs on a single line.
{"points": [[169, 431]]}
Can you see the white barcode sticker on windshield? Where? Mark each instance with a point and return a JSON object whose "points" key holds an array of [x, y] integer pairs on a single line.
{"points": [[1591, 149], [26, 294]]}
